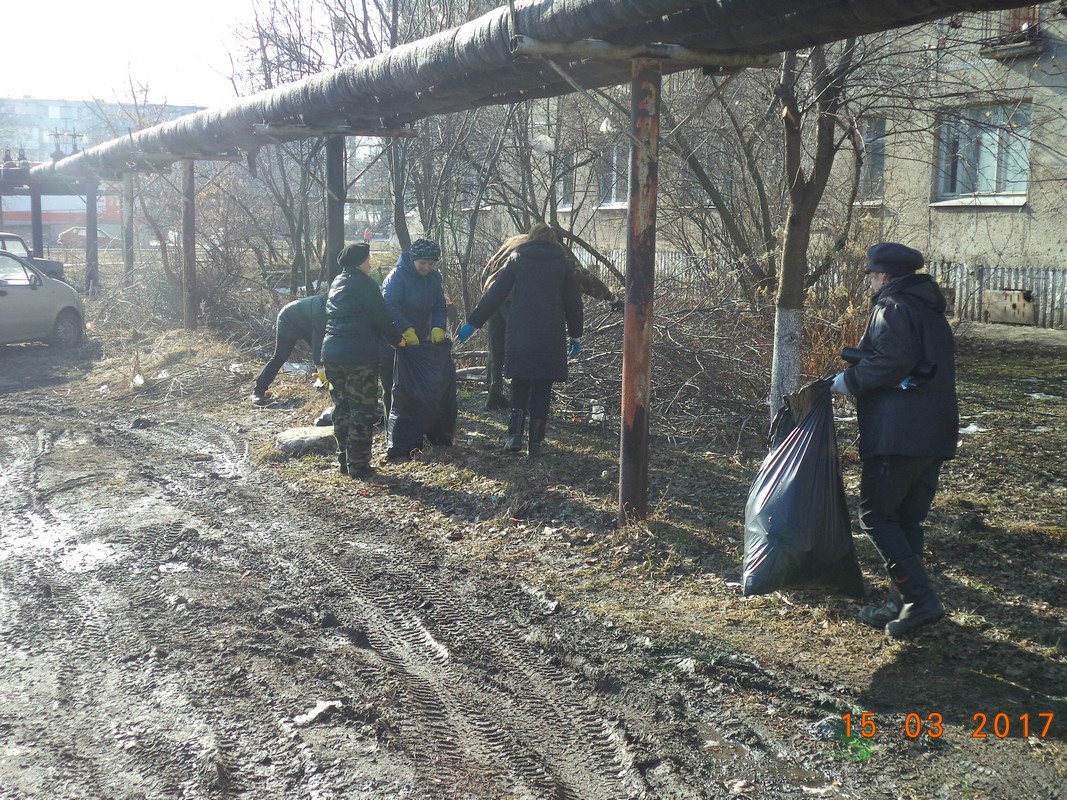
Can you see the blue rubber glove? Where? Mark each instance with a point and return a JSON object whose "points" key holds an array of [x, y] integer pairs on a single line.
{"points": [[839, 386], [466, 331], [574, 348]]}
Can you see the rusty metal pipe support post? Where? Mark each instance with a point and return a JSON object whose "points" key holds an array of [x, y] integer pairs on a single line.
{"points": [[190, 296], [640, 283]]}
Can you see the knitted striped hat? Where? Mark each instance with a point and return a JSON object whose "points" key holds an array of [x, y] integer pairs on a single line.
{"points": [[425, 250]]}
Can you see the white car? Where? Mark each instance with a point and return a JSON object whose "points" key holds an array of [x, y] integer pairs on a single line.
{"points": [[36, 308]]}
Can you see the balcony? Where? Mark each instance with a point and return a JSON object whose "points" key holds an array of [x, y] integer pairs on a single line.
{"points": [[1014, 33]]}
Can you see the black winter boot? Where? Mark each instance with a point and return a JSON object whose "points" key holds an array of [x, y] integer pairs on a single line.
{"points": [[495, 401], [516, 426], [921, 604], [879, 617], [342, 461], [537, 436]]}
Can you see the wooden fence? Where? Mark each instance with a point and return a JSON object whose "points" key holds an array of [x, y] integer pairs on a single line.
{"points": [[966, 284], [1048, 288]]}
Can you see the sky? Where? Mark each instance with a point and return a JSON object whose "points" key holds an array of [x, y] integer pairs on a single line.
{"points": [[89, 50]]}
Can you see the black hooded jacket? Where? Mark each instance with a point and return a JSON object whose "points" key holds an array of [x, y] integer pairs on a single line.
{"points": [[357, 320], [546, 308], [907, 325]]}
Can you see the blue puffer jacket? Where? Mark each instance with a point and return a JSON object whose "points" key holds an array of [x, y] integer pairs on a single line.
{"points": [[907, 324], [357, 321], [414, 300]]}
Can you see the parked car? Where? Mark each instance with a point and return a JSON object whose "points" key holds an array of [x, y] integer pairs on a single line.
{"points": [[13, 243], [36, 308], [75, 237]]}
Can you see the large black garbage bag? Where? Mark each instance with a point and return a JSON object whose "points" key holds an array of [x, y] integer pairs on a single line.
{"points": [[424, 398], [797, 530]]}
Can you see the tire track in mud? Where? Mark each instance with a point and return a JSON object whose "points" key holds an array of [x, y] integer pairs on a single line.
{"points": [[528, 717], [525, 718], [112, 625], [41, 561], [480, 709], [191, 463], [476, 683]]}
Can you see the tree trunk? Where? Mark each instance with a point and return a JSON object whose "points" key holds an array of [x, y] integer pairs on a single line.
{"points": [[789, 311]]}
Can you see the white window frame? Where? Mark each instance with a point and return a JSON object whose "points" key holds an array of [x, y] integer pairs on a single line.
{"points": [[614, 175], [984, 151], [566, 184], [871, 188]]}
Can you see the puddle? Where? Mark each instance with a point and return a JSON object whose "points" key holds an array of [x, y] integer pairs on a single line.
{"points": [[173, 566], [31, 531], [719, 747], [86, 557]]}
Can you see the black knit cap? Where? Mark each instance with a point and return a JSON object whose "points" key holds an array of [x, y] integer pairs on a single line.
{"points": [[893, 259], [352, 255], [424, 249]]}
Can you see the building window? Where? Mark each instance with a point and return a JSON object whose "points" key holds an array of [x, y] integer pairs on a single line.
{"points": [[565, 181], [614, 175], [984, 150], [872, 170]]}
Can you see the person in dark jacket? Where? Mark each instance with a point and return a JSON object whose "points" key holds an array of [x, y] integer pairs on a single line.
{"points": [[546, 308], [496, 326], [904, 383], [415, 297], [301, 319], [357, 321]]}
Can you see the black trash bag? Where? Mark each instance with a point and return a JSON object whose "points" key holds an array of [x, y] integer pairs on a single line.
{"points": [[424, 398], [797, 529]]}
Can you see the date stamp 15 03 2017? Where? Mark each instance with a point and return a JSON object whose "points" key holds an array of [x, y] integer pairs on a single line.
{"points": [[984, 725]]}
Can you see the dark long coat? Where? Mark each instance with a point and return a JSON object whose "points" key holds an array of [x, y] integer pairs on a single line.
{"points": [[546, 308], [907, 324]]}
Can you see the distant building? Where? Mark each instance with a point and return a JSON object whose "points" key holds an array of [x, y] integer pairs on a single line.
{"points": [[44, 130]]}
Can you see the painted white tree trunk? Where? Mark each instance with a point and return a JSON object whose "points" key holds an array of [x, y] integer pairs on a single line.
{"points": [[785, 365]]}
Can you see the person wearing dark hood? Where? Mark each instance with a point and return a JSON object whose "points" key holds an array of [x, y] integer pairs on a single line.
{"points": [[546, 308], [357, 321], [903, 380], [415, 297], [301, 319]]}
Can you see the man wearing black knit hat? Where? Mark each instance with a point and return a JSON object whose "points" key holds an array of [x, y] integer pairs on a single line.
{"points": [[904, 381]]}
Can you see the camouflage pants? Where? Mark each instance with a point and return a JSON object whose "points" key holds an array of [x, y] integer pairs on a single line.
{"points": [[354, 391]]}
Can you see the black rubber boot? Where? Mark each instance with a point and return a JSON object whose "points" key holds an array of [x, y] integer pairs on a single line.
{"points": [[361, 470], [921, 604], [879, 617], [537, 436], [516, 426], [342, 461], [359, 452]]}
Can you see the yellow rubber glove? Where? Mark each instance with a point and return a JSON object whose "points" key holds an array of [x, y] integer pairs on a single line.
{"points": [[410, 337], [322, 376], [438, 335]]}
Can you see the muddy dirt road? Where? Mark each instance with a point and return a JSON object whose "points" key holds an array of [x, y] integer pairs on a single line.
{"points": [[178, 622], [181, 619]]}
